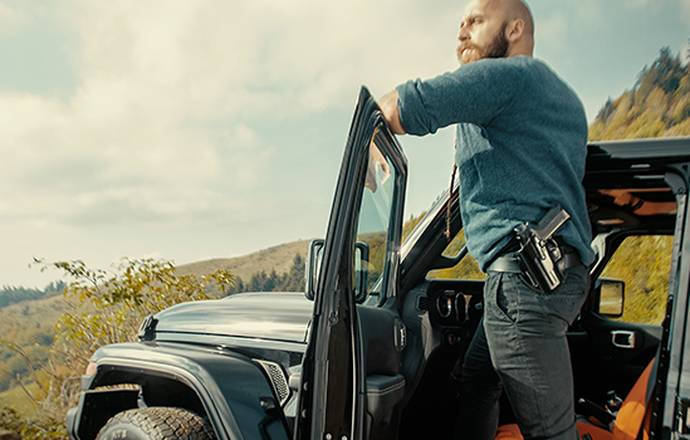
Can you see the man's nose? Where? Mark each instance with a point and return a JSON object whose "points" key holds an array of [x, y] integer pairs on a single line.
{"points": [[463, 34]]}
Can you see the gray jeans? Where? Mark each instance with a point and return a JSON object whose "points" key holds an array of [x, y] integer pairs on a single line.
{"points": [[521, 348]]}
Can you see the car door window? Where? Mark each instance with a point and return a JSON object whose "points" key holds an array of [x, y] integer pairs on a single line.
{"points": [[376, 211], [643, 263]]}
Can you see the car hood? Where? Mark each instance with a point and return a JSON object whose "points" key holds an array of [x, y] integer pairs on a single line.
{"points": [[281, 316]]}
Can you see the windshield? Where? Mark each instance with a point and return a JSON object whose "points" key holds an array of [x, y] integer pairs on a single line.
{"points": [[414, 227], [466, 266]]}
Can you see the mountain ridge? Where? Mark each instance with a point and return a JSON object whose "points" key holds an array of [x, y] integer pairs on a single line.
{"points": [[278, 258]]}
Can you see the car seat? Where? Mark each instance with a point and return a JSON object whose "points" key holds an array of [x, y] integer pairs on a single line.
{"points": [[632, 416]]}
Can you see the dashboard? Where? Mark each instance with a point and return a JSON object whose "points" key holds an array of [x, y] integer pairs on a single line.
{"points": [[449, 307], [453, 307]]}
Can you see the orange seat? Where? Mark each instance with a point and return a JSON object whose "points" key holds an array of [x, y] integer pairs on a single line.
{"points": [[631, 417]]}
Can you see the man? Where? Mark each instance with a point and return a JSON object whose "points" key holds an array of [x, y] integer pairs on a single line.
{"points": [[521, 147]]}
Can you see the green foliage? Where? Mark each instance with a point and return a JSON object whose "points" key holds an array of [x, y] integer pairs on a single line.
{"points": [[101, 307], [410, 225], [108, 306], [657, 106], [644, 264], [466, 269], [37, 426]]}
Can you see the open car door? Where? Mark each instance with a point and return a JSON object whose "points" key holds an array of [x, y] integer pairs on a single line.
{"points": [[332, 402]]}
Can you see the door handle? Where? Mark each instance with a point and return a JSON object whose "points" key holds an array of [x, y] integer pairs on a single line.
{"points": [[623, 339], [399, 335]]}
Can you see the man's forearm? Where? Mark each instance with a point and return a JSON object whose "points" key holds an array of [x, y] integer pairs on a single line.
{"points": [[389, 107]]}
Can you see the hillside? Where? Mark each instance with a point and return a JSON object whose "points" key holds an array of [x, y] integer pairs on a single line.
{"points": [[658, 105], [28, 327], [278, 258], [12, 294]]}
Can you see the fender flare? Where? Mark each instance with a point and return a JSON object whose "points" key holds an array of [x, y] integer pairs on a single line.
{"points": [[238, 398]]}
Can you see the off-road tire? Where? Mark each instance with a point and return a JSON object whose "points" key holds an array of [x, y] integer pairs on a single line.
{"points": [[156, 423]]}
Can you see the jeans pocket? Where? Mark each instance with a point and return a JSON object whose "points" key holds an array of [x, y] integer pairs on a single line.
{"points": [[565, 302], [526, 285], [504, 301]]}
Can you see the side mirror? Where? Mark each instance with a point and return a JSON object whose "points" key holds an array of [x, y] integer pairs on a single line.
{"points": [[611, 297], [361, 266]]}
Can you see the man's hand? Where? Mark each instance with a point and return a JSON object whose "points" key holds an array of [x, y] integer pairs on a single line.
{"points": [[377, 161], [389, 107]]}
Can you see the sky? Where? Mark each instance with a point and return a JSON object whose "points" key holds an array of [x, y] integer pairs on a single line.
{"points": [[194, 130]]}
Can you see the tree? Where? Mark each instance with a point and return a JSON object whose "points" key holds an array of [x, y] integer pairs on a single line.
{"points": [[606, 111], [294, 280]]}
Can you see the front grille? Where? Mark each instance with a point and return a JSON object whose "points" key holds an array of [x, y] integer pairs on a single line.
{"points": [[278, 379]]}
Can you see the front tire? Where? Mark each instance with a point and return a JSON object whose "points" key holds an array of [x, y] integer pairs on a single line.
{"points": [[156, 423]]}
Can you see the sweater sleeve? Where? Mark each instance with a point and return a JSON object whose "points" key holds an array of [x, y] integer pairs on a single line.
{"points": [[475, 93]]}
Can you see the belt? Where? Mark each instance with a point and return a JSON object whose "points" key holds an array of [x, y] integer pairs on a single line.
{"points": [[511, 263]]}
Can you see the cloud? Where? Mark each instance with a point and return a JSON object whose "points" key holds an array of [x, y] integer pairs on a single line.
{"points": [[10, 19], [167, 98]]}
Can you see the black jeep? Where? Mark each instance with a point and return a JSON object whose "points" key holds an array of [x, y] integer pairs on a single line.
{"points": [[368, 352]]}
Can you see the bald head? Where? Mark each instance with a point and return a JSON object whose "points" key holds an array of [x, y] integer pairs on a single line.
{"points": [[518, 10], [496, 29]]}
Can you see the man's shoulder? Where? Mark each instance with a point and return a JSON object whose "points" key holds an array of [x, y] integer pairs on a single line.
{"points": [[505, 68], [494, 70], [536, 74], [514, 62]]}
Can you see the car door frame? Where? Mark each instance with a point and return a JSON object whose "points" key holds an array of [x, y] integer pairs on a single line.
{"points": [[614, 367], [332, 390], [671, 392]]}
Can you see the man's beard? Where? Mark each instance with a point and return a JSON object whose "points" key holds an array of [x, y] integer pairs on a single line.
{"points": [[498, 48]]}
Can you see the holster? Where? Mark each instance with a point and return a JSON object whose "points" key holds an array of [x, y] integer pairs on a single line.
{"points": [[540, 253]]}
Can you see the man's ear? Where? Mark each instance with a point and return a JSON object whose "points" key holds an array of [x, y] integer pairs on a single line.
{"points": [[515, 29]]}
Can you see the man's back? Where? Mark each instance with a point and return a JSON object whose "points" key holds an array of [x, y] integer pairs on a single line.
{"points": [[529, 158], [521, 147]]}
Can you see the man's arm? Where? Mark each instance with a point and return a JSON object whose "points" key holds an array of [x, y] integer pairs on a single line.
{"points": [[475, 94], [389, 107]]}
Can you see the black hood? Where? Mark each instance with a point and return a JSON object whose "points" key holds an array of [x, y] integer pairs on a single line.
{"points": [[282, 316]]}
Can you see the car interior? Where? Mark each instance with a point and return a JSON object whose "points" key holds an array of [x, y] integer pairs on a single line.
{"points": [[414, 390]]}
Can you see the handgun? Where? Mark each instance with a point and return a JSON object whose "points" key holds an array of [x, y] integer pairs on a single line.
{"points": [[539, 252]]}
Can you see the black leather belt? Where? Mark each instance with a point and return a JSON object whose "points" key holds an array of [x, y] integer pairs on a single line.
{"points": [[510, 262]]}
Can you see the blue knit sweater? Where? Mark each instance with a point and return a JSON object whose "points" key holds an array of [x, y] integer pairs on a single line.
{"points": [[520, 148]]}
